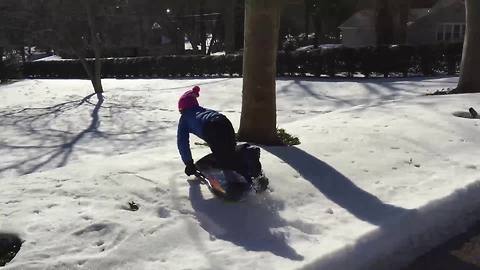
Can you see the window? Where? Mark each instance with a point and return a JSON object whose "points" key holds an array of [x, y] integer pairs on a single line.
{"points": [[451, 32], [440, 32], [456, 32], [448, 33]]}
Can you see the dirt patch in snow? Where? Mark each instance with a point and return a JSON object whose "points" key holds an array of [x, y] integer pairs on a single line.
{"points": [[9, 246]]}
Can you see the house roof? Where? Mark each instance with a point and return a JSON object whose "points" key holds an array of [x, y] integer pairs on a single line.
{"points": [[423, 3], [441, 7], [445, 3], [418, 13], [366, 18], [362, 19]]}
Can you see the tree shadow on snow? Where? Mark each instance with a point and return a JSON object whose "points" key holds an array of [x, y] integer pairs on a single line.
{"points": [[250, 224], [61, 152], [337, 187], [43, 145]]}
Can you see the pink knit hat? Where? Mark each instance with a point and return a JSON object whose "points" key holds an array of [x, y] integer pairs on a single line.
{"points": [[189, 99]]}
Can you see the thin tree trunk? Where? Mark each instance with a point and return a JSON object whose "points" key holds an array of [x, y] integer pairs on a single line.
{"points": [[212, 41], [203, 31], [141, 32], [318, 25], [177, 34], [258, 120], [194, 44], [94, 35], [22, 53], [87, 68], [82, 58], [229, 19], [308, 11], [384, 22], [469, 78], [3, 78], [404, 11]]}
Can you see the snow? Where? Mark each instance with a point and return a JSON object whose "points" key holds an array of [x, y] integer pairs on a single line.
{"points": [[383, 174], [50, 58], [323, 46]]}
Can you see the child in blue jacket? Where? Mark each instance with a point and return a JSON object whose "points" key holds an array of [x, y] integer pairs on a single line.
{"points": [[209, 125], [215, 129]]}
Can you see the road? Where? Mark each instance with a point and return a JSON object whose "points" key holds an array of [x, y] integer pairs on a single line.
{"points": [[459, 253]]}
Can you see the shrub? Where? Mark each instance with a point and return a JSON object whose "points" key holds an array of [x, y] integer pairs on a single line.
{"points": [[430, 57], [286, 138], [9, 69], [387, 60], [453, 56]]}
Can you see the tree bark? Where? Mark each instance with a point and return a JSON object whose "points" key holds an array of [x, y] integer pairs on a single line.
{"points": [[203, 33], [141, 29], [258, 119], [391, 21], [469, 78], [3, 78], [214, 38], [229, 19], [95, 42], [318, 30], [384, 25], [22, 53], [404, 11], [86, 67], [308, 12]]}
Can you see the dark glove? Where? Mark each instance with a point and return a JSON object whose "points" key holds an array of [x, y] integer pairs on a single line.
{"points": [[190, 169]]}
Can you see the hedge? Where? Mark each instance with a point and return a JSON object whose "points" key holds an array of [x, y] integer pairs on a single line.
{"points": [[384, 60], [368, 61], [9, 69]]}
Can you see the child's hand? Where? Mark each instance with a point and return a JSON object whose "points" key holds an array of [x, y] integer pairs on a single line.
{"points": [[190, 169]]}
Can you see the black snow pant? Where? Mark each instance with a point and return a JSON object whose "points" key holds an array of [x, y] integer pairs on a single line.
{"points": [[220, 136]]}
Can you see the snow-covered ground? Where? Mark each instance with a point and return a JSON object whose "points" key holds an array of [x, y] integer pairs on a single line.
{"points": [[383, 174]]}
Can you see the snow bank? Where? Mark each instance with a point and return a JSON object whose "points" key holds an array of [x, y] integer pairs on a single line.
{"points": [[395, 244]]}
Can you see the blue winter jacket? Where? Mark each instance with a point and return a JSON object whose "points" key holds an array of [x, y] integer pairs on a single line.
{"points": [[193, 120]]}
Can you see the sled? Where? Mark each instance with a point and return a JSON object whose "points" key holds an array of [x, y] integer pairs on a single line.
{"points": [[224, 188]]}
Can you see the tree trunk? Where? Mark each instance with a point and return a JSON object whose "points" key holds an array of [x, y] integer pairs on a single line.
{"points": [[229, 19], [22, 53], [88, 69], [469, 79], [203, 31], [403, 12], [317, 23], [141, 31], [214, 38], [258, 120], [308, 12], [95, 42], [3, 78], [384, 24]]}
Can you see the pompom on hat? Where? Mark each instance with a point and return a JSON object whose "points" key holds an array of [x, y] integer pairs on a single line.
{"points": [[189, 99]]}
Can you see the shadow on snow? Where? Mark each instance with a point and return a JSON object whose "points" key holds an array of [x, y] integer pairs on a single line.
{"points": [[337, 187], [250, 224], [54, 133]]}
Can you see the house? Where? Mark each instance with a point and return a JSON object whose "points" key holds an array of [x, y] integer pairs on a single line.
{"points": [[443, 22], [359, 30]]}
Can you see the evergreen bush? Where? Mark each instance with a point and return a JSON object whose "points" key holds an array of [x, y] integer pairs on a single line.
{"points": [[424, 60]]}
